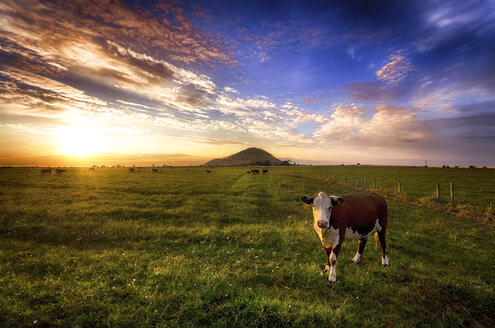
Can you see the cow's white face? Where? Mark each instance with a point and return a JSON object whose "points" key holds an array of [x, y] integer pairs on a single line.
{"points": [[322, 208]]}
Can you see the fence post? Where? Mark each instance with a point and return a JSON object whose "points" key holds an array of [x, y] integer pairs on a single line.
{"points": [[398, 186], [452, 192], [438, 191]]}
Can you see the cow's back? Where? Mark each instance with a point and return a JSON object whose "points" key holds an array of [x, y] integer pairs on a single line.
{"points": [[360, 212]]}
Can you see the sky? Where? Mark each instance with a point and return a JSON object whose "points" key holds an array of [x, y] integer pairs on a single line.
{"points": [[183, 82]]}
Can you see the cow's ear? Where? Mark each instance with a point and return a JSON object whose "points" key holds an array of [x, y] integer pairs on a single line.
{"points": [[337, 200], [307, 200]]}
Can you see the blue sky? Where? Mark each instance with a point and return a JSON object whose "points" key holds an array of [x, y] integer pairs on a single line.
{"points": [[181, 82]]}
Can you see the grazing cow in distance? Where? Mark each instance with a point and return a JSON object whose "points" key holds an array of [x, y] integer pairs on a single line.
{"points": [[131, 170], [208, 171], [248, 172], [255, 171], [154, 170], [59, 171], [336, 218], [46, 171], [265, 171]]}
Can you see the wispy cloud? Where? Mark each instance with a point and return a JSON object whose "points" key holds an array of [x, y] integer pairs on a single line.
{"points": [[230, 90], [395, 70], [373, 90], [295, 35]]}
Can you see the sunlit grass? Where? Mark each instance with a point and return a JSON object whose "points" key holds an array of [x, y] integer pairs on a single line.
{"points": [[185, 248]]}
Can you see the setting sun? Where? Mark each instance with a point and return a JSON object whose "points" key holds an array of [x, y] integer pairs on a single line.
{"points": [[80, 141]]}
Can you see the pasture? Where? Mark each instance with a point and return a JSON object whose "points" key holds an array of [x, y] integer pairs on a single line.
{"points": [[182, 247], [474, 189]]}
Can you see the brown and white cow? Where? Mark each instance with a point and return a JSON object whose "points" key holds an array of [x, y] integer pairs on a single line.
{"points": [[353, 216]]}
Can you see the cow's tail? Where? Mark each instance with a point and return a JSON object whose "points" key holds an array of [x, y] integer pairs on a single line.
{"points": [[382, 221]]}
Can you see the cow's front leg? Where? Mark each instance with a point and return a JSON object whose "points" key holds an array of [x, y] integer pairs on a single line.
{"points": [[333, 261], [328, 251]]}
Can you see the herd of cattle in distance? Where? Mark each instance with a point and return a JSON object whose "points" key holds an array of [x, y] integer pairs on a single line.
{"points": [[48, 171], [253, 171], [256, 171], [133, 169]]}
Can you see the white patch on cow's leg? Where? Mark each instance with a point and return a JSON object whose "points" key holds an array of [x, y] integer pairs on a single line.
{"points": [[385, 261], [357, 258], [333, 275]]}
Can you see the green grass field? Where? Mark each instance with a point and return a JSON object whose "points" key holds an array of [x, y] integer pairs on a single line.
{"points": [[474, 189], [185, 248]]}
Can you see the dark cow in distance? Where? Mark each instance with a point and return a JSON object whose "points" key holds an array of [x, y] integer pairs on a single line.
{"points": [[59, 171], [352, 216], [46, 171], [255, 171], [154, 170], [265, 171], [208, 171], [131, 170], [248, 172]]}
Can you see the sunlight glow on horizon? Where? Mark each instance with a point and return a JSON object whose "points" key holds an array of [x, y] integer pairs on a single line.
{"points": [[80, 140]]}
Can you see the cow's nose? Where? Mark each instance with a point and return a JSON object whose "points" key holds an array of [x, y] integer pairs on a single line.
{"points": [[322, 224]]}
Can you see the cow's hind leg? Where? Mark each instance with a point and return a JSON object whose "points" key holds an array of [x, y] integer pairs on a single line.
{"points": [[361, 244], [328, 251], [383, 245]]}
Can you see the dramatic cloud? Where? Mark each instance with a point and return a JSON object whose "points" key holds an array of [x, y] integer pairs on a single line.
{"points": [[176, 98], [388, 127]]}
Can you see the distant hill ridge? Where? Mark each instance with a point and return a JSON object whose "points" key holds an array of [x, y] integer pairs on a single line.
{"points": [[249, 156]]}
